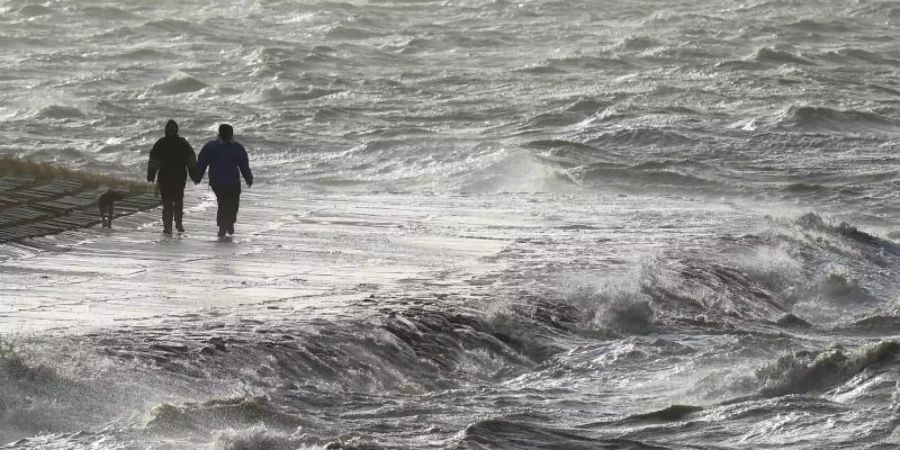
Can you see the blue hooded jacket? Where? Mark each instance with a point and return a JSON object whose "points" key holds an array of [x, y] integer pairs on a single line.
{"points": [[224, 159]]}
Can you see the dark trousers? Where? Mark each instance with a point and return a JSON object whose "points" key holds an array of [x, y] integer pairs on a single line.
{"points": [[173, 203], [229, 198]]}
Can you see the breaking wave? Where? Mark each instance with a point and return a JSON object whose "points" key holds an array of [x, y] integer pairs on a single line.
{"points": [[257, 437], [235, 413], [412, 349], [36, 398], [814, 222], [519, 173], [614, 176], [768, 55], [668, 414], [820, 26], [612, 309], [60, 112], [520, 435], [351, 33], [641, 137], [34, 11], [855, 55], [174, 26], [107, 12], [803, 372], [828, 120], [180, 84], [637, 43]]}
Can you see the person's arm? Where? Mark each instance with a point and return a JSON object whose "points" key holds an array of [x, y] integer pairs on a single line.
{"points": [[202, 163], [191, 161], [154, 163], [244, 165]]}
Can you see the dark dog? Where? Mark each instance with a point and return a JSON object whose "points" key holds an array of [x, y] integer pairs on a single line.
{"points": [[107, 203]]}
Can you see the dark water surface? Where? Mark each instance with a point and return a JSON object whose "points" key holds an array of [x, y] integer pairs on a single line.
{"points": [[476, 224]]}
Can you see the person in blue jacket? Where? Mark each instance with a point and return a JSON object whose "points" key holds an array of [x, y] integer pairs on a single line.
{"points": [[227, 161]]}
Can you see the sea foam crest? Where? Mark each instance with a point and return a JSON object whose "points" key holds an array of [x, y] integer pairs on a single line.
{"points": [[802, 372], [770, 55], [59, 112], [221, 413], [520, 172], [257, 437], [180, 84], [613, 308], [824, 118]]}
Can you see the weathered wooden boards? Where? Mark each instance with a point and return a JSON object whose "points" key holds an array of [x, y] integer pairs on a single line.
{"points": [[32, 207]]}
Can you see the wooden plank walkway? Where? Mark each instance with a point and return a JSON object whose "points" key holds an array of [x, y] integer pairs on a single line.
{"points": [[10, 183], [30, 207]]}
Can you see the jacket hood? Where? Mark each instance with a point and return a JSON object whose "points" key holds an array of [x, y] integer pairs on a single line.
{"points": [[171, 128]]}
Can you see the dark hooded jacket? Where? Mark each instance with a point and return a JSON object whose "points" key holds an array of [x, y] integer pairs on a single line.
{"points": [[173, 158]]}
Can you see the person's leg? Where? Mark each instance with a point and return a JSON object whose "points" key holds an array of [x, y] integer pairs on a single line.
{"points": [[178, 207], [235, 204], [168, 203], [222, 206], [111, 212]]}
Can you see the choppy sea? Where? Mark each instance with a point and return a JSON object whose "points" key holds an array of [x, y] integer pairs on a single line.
{"points": [[476, 224]]}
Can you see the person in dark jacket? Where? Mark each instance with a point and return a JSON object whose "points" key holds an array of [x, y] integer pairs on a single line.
{"points": [[172, 160], [227, 160]]}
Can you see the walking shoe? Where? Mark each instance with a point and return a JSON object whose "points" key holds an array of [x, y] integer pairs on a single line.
{"points": [[167, 231], [231, 229], [179, 227], [221, 231]]}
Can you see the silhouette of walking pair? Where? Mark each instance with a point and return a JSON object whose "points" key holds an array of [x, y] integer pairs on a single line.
{"points": [[172, 161]]}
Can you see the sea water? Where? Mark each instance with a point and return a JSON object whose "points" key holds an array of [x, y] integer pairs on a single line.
{"points": [[475, 224]]}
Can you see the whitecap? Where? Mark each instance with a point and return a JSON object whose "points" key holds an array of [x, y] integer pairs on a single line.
{"points": [[180, 84]]}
